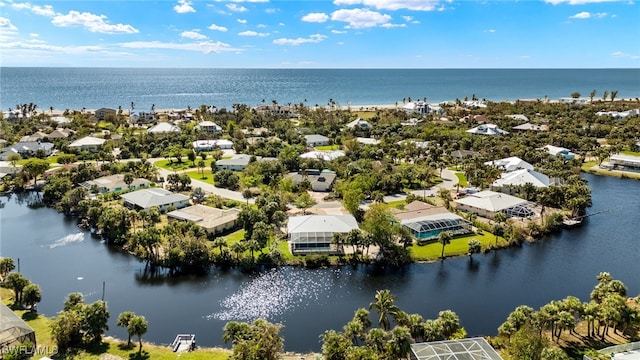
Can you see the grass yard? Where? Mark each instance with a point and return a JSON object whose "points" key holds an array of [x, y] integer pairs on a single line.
{"points": [[398, 204], [234, 237], [197, 175], [328, 147], [462, 179], [173, 165], [458, 246], [591, 167]]}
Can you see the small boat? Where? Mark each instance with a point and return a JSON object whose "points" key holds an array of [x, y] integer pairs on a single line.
{"points": [[572, 222]]}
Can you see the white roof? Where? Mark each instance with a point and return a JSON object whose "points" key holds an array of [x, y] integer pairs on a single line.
{"points": [[342, 223], [487, 129], [555, 150], [163, 127], [491, 201], [440, 216], [367, 141], [510, 164], [209, 124], [147, 198], [212, 143], [521, 177], [323, 155], [358, 122], [316, 138], [88, 141], [518, 117]]}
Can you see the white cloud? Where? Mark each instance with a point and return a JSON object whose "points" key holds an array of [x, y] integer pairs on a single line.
{"points": [[338, 32], [407, 18], [34, 35], [261, 26], [576, 2], [489, 31], [620, 54], [253, 33], [418, 5], [193, 35], [215, 27], [389, 25], [271, 11], [360, 18], [315, 17], [45, 10], [206, 47], [242, 21], [587, 15], [92, 22], [183, 7], [236, 8], [316, 38], [6, 25]]}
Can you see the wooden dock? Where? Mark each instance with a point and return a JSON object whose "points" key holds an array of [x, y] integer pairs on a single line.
{"points": [[184, 342]]}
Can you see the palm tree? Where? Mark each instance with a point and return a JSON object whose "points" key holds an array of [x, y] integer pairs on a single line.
{"points": [[384, 306], [238, 248], [400, 343], [219, 242], [474, 247], [123, 321], [592, 94], [444, 238], [613, 94], [138, 325]]}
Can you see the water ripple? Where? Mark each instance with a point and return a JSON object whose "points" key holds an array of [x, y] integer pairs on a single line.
{"points": [[71, 238]]}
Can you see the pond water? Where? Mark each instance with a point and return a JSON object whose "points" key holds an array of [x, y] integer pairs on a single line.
{"points": [[62, 258]]}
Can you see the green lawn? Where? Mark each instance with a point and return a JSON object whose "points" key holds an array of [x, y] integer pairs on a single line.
{"points": [[589, 167], [49, 159], [234, 237], [462, 179], [629, 152], [458, 246], [197, 175], [398, 204], [328, 147], [173, 165]]}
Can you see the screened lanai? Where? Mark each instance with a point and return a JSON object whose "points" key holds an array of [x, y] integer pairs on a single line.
{"points": [[13, 330], [426, 228], [314, 233]]}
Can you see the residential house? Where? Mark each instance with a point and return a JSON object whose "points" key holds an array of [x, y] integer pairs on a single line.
{"points": [[575, 101], [142, 117], [102, 113], [512, 163], [163, 128], [620, 114], [212, 220], [148, 198], [359, 124], [88, 143], [530, 127], [559, 151], [426, 222], [487, 129], [209, 126], [35, 137], [510, 180], [474, 103], [488, 203], [61, 119], [61, 133], [208, 145], [412, 122], [239, 162], [27, 149], [479, 119], [461, 349], [8, 170], [319, 180], [314, 233], [520, 117], [113, 183], [417, 107], [316, 140], [625, 162], [323, 155], [460, 155], [367, 141]]}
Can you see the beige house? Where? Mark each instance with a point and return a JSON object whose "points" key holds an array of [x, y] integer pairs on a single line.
{"points": [[212, 220], [113, 183]]}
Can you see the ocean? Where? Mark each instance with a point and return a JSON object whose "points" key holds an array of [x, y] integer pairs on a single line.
{"points": [[93, 88]]}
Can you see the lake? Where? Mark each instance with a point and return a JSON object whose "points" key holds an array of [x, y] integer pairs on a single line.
{"points": [[62, 258]]}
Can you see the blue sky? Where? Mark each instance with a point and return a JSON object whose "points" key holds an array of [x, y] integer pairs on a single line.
{"points": [[321, 34]]}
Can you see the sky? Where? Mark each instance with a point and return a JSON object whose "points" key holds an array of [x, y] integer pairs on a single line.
{"points": [[321, 33]]}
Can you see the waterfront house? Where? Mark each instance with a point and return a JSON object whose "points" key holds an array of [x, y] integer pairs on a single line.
{"points": [[163, 128], [148, 198], [142, 117], [512, 163], [488, 203], [319, 180], [426, 222], [487, 129], [114, 183], [314, 233], [316, 140], [209, 126], [625, 162], [208, 145], [104, 113], [212, 220], [517, 178], [27, 149], [88, 143], [467, 349], [559, 151], [323, 155], [359, 124]]}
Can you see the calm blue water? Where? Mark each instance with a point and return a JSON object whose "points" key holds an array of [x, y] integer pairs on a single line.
{"points": [[92, 88], [61, 258]]}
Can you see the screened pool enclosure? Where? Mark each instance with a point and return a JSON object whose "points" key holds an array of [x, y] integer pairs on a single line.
{"points": [[427, 228]]}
